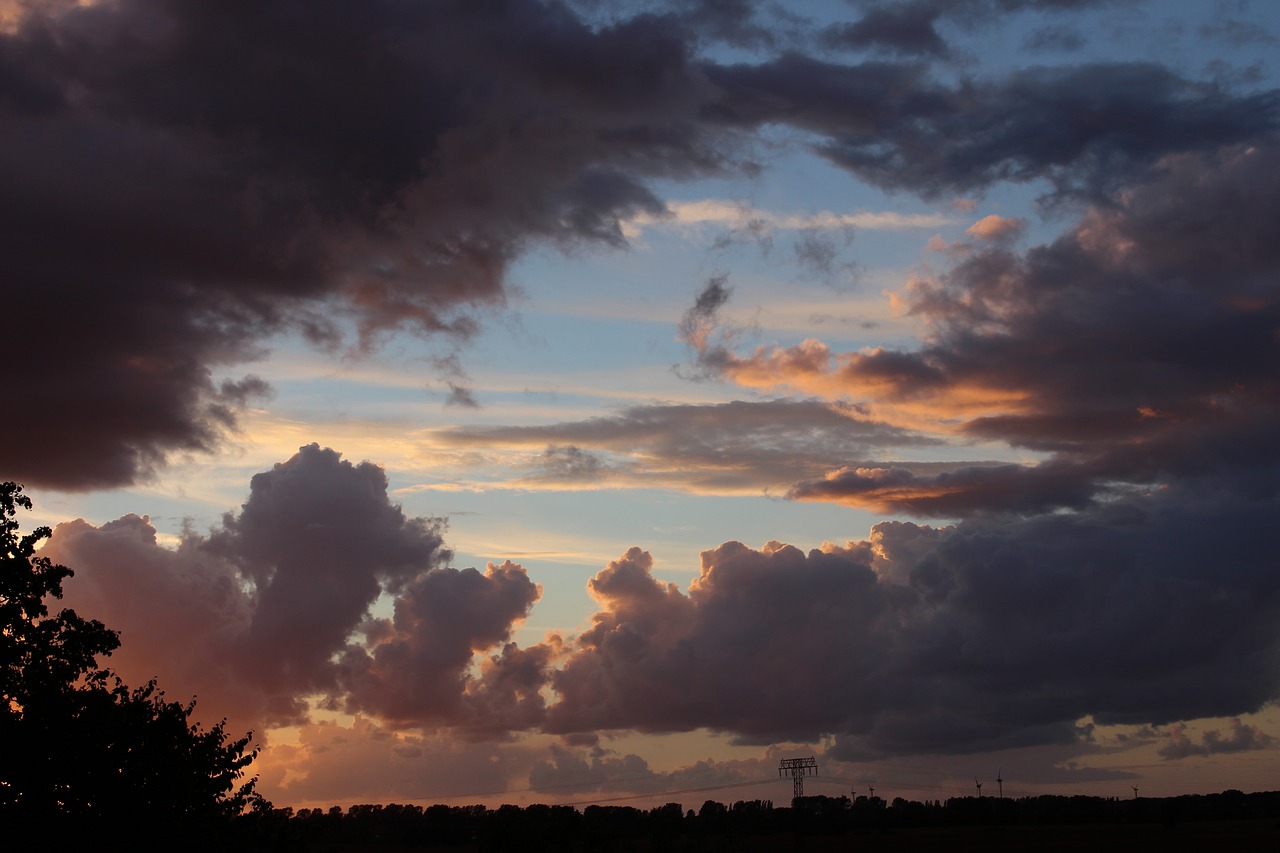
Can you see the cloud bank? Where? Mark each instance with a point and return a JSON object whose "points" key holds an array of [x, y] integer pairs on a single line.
{"points": [[196, 177], [990, 634]]}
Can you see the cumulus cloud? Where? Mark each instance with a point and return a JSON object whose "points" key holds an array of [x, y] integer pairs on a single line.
{"points": [[272, 609], [921, 640], [416, 666], [915, 640]]}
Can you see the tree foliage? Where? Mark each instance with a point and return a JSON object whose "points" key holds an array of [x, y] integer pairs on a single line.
{"points": [[78, 748]]}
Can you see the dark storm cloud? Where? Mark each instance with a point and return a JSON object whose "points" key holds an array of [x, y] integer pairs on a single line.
{"points": [[989, 635], [273, 606], [196, 177]]}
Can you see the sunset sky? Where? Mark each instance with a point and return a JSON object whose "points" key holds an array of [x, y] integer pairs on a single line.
{"points": [[598, 401]]}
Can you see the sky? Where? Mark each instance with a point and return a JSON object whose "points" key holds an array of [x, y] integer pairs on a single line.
{"points": [[600, 401]]}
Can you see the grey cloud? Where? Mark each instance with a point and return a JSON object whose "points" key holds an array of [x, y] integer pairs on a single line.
{"points": [[273, 606], [570, 463], [1238, 33], [819, 256], [901, 28], [1066, 39], [1241, 738], [1088, 128], [1004, 634], [760, 445], [696, 322], [955, 489], [320, 541], [415, 669], [996, 633], [460, 395], [1050, 123], [602, 770], [226, 172], [1136, 349]]}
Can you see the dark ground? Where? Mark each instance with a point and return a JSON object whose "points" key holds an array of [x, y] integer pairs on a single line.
{"points": [[1201, 837]]}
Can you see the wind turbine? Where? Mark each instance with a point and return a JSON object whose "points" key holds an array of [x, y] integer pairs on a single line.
{"points": [[1000, 781], [979, 784]]}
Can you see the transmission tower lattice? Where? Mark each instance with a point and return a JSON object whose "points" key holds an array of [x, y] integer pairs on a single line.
{"points": [[797, 769]]}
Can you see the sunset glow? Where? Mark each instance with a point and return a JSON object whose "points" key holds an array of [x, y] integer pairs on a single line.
{"points": [[604, 400]]}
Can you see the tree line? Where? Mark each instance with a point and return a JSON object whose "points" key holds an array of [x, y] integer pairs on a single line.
{"points": [[604, 827]]}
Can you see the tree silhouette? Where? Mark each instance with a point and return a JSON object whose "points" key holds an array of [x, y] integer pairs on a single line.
{"points": [[79, 750]]}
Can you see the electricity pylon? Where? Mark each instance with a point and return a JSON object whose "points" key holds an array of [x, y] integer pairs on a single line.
{"points": [[797, 769]]}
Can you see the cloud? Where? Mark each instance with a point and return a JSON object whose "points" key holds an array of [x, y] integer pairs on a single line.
{"points": [[941, 641], [414, 666], [915, 640], [346, 173], [947, 490], [1241, 738], [363, 762], [742, 447], [701, 318], [741, 217], [273, 608], [1135, 349], [905, 28], [569, 772], [1055, 37], [460, 395], [1086, 128], [997, 228], [379, 166]]}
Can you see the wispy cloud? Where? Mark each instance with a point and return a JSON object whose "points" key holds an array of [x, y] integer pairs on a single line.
{"points": [[726, 214]]}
